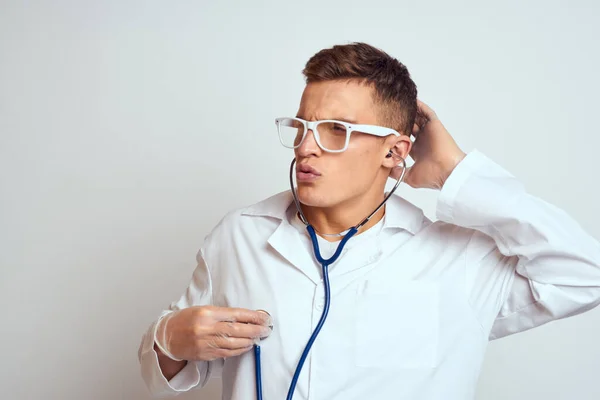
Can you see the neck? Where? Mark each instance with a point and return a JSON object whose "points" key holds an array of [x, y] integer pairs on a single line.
{"points": [[343, 216]]}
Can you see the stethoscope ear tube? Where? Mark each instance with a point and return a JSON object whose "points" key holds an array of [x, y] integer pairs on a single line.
{"points": [[398, 182], [293, 187]]}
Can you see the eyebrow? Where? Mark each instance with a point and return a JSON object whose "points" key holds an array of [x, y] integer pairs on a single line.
{"points": [[348, 120]]}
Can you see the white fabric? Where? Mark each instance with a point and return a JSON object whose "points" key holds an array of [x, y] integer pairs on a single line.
{"points": [[414, 302]]}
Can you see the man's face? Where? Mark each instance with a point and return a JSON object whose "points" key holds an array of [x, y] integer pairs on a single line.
{"points": [[353, 173]]}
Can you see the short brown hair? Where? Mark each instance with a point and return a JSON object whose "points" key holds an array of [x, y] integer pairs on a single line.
{"points": [[394, 91]]}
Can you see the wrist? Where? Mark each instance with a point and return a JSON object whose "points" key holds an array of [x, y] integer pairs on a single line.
{"points": [[161, 338], [450, 164]]}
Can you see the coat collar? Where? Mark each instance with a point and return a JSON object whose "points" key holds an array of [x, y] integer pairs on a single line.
{"points": [[287, 242], [399, 213]]}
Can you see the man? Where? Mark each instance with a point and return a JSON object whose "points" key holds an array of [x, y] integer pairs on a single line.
{"points": [[414, 302]]}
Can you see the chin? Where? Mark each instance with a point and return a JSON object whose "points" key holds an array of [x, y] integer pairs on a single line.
{"points": [[313, 196]]}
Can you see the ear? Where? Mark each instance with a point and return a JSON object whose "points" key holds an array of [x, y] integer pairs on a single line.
{"points": [[400, 147]]}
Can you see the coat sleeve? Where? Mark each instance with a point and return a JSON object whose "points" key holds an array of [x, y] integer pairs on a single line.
{"points": [[528, 262], [196, 373]]}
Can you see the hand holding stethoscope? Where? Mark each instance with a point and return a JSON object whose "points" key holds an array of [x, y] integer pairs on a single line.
{"points": [[434, 151]]}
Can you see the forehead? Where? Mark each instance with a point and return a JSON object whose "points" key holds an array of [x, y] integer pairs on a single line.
{"points": [[348, 101]]}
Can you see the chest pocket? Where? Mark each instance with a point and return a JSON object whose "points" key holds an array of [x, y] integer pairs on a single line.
{"points": [[397, 324]]}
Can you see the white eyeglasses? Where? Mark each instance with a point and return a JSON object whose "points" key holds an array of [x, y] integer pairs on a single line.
{"points": [[331, 135]]}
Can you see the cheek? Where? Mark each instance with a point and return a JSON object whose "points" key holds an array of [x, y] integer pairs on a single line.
{"points": [[358, 170]]}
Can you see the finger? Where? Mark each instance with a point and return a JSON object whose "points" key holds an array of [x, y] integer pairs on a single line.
{"points": [[242, 330], [230, 343], [419, 124], [409, 177], [243, 315], [223, 353], [426, 111], [421, 119], [395, 173], [415, 130]]}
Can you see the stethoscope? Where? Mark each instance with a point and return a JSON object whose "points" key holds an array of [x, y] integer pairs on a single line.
{"points": [[325, 263]]}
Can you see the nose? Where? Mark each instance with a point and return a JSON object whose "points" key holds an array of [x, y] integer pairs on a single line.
{"points": [[309, 145]]}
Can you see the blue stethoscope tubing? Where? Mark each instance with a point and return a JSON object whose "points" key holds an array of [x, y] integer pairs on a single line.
{"points": [[325, 263]]}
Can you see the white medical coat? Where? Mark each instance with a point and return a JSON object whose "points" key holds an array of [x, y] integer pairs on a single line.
{"points": [[414, 302]]}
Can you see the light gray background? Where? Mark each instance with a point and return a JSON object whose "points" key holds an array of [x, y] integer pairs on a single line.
{"points": [[128, 129]]}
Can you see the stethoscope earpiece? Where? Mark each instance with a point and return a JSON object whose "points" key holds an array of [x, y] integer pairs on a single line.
{"points": [[402, 161]]}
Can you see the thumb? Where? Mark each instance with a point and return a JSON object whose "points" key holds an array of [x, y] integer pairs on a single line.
{"points": [[395, 173], [409, 177]]}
